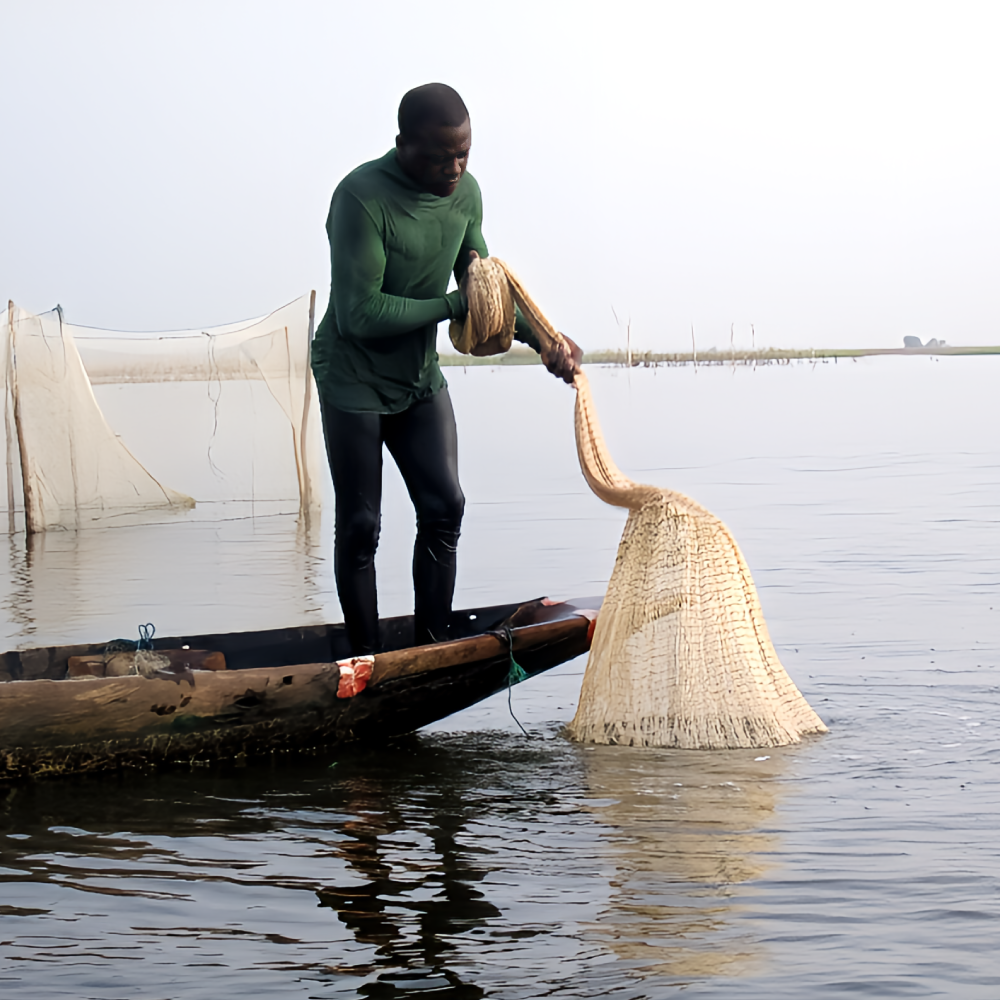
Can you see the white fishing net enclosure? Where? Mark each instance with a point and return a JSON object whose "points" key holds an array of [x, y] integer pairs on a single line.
{"points": [[108, 427]]}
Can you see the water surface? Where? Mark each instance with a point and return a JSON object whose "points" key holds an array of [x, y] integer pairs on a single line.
{"points": [[471, 861]]}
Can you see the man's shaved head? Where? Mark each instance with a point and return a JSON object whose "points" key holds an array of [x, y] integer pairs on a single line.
{"points": [[430, 106], [435, 137]]}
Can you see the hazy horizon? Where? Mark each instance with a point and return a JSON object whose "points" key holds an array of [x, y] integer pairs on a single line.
{"points": [[826, 172]]}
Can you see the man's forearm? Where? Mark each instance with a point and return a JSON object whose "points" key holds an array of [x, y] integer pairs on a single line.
{"points": [[382, 315], [524, 333]]}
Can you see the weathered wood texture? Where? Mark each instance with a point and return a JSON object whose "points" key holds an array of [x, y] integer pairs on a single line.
{"points": [[73, 726], [264, 648]]}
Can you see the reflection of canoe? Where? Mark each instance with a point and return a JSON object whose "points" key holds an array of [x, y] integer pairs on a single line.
{"points": [[283, 690]]}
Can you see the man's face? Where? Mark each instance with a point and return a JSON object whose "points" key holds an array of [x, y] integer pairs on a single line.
{"points": [[437, 158]]}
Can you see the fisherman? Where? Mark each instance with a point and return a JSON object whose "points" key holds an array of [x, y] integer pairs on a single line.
{"points": [[400, 227]]}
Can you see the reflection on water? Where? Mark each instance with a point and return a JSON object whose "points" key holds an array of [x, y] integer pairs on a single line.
{"points": [[202, 572], [407, 916], [437, 864], [685, 832]]}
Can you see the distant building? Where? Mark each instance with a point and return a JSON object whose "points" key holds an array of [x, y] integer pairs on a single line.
{"points": [[911, 342]]}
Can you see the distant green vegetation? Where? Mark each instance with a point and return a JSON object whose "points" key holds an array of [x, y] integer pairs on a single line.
{"points": [[765, 356], [515, 356]]}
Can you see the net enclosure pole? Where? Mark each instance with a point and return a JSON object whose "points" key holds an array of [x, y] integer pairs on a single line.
{"points": [[305, 495], [8, 402]]}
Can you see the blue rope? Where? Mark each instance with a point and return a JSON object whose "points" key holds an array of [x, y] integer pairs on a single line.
{"points": [[145, 641], [146, 633]]}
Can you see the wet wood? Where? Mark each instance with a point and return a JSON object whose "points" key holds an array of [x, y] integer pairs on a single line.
{"points": [[95, 723], [419, 659], [105, 708], [264, 648]]}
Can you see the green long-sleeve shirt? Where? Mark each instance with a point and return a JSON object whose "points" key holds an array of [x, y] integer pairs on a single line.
{"points": [[393, 250]]}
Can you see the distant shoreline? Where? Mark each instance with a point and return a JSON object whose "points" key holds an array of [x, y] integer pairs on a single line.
{"points": [[766, 356]]}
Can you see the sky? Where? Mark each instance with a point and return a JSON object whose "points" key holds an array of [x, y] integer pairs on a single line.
{"points": [[826, 172]]}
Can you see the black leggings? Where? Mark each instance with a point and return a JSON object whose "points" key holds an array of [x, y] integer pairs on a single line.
{"points": [[424, 443]]}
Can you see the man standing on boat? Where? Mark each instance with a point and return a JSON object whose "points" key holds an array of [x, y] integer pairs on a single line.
{"points": [[400, 227]]}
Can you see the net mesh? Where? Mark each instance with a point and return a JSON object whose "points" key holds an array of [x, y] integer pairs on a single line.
{"points": [[681, 655], [224, 414]]}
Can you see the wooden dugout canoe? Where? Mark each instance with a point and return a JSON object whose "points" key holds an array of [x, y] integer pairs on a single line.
{"points": [[282, 692]]}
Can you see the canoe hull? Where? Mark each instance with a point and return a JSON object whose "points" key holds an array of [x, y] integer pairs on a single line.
{"points": [[50, 727]]}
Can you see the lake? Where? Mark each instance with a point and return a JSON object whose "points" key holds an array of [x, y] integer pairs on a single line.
{"points": [[469, 860]]}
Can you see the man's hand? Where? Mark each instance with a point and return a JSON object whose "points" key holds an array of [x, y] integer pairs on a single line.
{"points": [[563, 359]]}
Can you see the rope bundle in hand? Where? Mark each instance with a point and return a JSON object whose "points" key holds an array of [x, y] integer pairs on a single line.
{"points": [[681, 656], [488, 327]]}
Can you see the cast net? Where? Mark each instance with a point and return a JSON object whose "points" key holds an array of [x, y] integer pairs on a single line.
{"points": [[681, 655], [98, 422]]}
